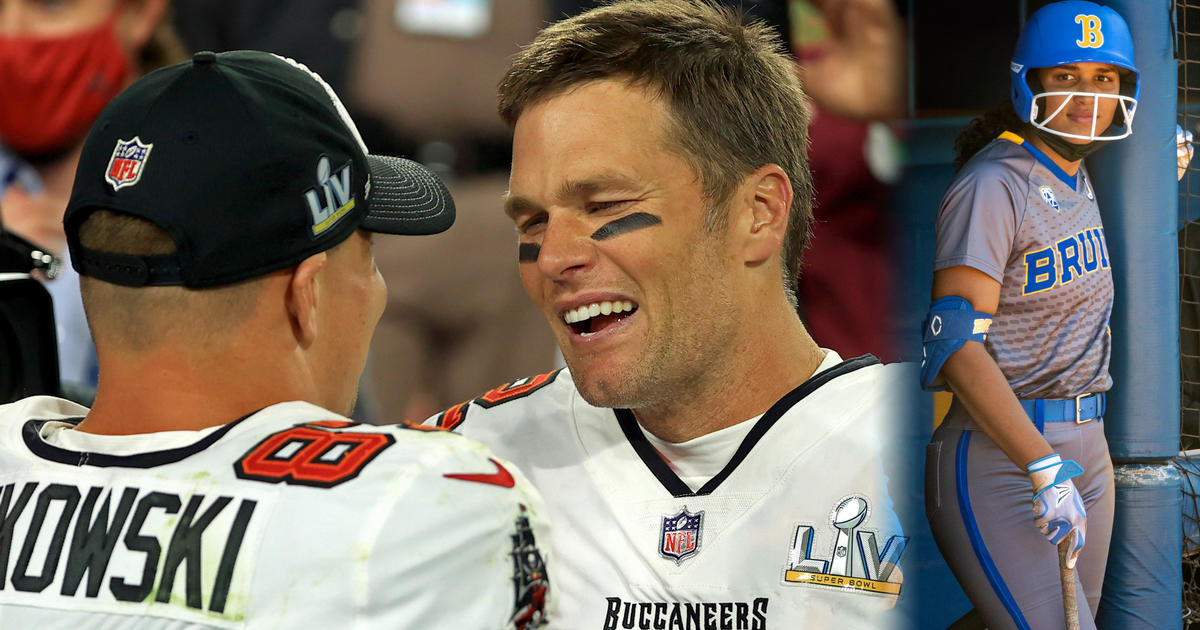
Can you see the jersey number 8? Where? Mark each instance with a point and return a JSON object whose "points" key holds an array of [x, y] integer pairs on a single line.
{"points": [[311, 455]]}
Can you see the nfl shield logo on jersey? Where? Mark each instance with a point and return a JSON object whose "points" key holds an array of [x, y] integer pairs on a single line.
{"points": [[127, 161], [680, 535]]}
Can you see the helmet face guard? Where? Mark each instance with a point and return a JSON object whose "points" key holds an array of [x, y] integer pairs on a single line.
{"points": [[1075, 31], [1127, 106]]}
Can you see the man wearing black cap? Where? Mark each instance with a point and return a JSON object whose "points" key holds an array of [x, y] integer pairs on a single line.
{"points": [[221, 220]]}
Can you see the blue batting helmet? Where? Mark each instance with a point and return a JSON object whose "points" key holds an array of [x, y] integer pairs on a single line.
{"points": [[1074, 31]]}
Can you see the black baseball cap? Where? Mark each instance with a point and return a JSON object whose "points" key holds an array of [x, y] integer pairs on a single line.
{"points": [[250, 162]]}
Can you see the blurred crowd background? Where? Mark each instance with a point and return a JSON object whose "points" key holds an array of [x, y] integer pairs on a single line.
{"points": [[419, 78]]}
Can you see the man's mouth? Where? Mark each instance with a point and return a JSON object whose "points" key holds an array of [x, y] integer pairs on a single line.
{"points": [[589, 319]]}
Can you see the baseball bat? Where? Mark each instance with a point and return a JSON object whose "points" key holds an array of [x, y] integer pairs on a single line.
{"points": [[1067, 577]]}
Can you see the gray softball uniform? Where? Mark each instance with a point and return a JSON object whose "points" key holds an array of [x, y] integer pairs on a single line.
{"points": [[1016, 216]]}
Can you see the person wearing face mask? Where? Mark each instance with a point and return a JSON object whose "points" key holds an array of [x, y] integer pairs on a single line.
{"points": [[1019, 327], [61, 62]]}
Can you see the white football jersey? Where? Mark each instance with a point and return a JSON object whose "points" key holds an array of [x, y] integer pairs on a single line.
{"points": [[795, 531], [292, 517]]}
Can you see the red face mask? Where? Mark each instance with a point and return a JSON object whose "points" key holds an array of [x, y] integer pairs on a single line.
{"points": [[54, 87]]}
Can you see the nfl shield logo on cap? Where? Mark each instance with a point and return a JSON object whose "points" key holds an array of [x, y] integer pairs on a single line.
{"points": [[680, 535], [127, 161]]}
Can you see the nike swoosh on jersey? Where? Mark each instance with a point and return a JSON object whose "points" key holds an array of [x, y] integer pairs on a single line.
{"points": [[501, 477]]}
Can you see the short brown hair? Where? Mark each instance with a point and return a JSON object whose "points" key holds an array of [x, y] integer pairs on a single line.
{"points": [[138, 318], [733, 97]]}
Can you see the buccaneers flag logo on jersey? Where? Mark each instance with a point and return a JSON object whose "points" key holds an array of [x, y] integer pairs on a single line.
{"points": [[529, 578]]}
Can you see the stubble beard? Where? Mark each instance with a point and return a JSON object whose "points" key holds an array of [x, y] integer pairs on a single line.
{"points": [[658, 379], [678, 360]]}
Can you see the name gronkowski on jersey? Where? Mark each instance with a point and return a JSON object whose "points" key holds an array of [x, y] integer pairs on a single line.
{"points": [[292, 517], [797, 531], [1016, 216]]}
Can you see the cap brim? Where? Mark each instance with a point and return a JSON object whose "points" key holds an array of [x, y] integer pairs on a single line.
{"points": [[406, 198]]}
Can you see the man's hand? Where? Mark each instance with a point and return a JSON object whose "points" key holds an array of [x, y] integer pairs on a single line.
{"points": [[36, 217], [1183, 150], [859, 69], [1057, 508]]}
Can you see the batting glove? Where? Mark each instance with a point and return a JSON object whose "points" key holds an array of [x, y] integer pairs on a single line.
{"points": [[1183, 150], [1057, 508]]}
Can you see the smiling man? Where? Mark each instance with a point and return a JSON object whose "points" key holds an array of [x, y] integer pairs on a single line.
{"points": [[708, 464], [217, 481]]}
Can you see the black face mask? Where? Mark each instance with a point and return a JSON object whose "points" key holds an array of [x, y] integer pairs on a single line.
{"points": [[1070, 151]]}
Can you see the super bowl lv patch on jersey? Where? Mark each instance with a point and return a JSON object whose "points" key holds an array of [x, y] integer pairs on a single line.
{"points": [[854, 561]]}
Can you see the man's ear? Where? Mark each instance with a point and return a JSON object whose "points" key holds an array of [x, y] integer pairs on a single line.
{"points": [[303, 294], [766, 204]]}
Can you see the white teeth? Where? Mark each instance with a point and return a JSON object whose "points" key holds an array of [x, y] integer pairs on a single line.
{"points": [[588, 311]]}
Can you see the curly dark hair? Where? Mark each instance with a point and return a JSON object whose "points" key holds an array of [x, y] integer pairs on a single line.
{"points": [[983, 130]]}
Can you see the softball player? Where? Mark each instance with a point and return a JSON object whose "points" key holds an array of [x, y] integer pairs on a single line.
{"points": [[1022, 270]]}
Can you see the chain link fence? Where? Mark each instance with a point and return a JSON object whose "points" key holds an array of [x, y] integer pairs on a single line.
{"points": [[1188, 53]]}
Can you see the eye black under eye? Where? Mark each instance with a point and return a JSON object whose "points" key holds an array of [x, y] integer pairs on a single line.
{"points": [[528, 252], [626, 223]]}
